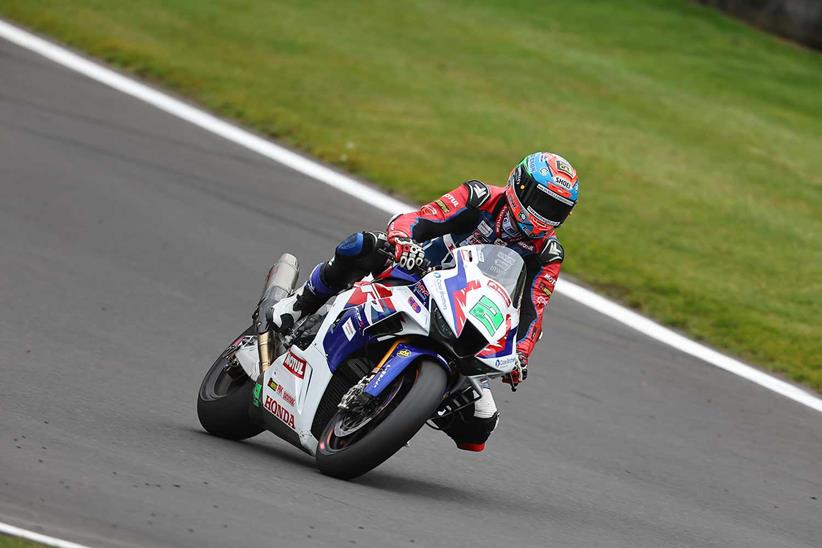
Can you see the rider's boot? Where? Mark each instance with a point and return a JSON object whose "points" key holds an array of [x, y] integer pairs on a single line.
{"points": [[306, 300], [471, 427]]}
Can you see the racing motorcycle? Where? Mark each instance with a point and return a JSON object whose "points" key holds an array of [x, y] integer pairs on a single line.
{"points": [[353, 383]]}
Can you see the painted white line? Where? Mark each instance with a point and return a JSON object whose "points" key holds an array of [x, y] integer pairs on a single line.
{"points": [[684, 344], [381, 201], [37, 537]]}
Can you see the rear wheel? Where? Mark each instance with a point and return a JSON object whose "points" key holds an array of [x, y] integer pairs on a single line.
{"points": [[224, 398], [353, 443]]}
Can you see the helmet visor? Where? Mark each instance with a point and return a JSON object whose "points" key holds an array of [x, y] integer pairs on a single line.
{"points": [[543, 203]]}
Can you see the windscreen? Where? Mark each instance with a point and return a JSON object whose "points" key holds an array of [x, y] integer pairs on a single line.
{"points": [[503, 266]]}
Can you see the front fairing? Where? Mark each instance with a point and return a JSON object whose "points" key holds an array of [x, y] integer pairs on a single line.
{"points": [[465, 295], [373, 312]]}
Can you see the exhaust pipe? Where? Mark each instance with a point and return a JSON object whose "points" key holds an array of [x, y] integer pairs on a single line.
{"points": [[279, 284]]}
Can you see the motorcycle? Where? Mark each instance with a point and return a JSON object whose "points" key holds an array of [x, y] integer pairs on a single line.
{"points": [[353, 383]]}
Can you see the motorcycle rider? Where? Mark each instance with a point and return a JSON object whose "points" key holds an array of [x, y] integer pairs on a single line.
{"points": [[540, 194]]}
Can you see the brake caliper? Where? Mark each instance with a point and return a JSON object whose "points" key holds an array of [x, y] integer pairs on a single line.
{"points": [[356, 397]]}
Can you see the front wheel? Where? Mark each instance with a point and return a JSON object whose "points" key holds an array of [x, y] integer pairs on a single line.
{"points": [[352, 445], [224, 398]]}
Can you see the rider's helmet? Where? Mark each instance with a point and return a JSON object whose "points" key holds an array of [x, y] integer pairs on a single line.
{"points": [[542, 190]]}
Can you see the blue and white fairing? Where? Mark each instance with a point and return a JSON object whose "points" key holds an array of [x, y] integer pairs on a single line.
{"points": [[478, 290], [475, 289]]}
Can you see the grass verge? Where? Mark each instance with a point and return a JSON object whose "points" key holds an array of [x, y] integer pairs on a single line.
{"points": [[7, 541], [697, 138]]}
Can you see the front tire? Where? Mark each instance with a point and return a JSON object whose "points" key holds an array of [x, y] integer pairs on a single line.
{"points": [[223, 401], [415, 396]]}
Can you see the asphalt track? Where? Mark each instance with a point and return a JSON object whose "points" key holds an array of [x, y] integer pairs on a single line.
{"points": [[132, 248]]}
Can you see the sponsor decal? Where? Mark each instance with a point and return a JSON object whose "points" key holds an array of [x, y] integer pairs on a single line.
{"points": [[451, 199], [279, 411], [348, 329], [289, 399], [500, 291], [429, 209], [473, 239], [278, 389], [442, 206], [378, 380], [412, 302], [506, 228], [544, 296], [565, 167], [404, 353], [295, 365], [258, 388], [488, 314], [421, 292], [504, 361], [563, 183], [485, 229], [544, 172]]}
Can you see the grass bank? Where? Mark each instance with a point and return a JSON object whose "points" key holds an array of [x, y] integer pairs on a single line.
{"points": [[698, 139], [7, 541]]}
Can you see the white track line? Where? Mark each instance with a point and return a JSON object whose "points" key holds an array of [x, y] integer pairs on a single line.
{"points": [[37, 537], [382, 201]]}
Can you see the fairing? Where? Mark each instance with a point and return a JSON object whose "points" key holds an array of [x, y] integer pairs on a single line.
{"points": [[469, 291]]}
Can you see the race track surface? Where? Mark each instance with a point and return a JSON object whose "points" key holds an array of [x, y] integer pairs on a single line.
{"points": [[133, 247]]}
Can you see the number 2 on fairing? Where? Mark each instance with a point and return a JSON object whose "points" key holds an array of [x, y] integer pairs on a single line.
{"points": [[488, 313]]}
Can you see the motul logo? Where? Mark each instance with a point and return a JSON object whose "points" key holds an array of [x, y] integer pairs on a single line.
{"points": [[275, 409], [295, 365]]}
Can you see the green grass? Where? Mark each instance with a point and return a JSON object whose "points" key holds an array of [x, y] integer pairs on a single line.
{"points": [[16, 542], [698, 139]]}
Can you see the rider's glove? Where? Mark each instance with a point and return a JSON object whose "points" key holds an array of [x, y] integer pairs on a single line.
{"points": [[408, 254], [519, 373]]}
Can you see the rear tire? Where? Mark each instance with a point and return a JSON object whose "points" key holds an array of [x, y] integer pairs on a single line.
{"points": [[416, 399], [223, 402]]}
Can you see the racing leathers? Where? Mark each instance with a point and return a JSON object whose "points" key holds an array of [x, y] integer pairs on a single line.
{"points": [[473, 213]]}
